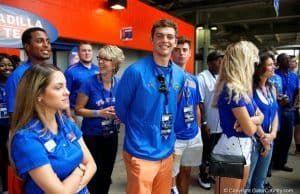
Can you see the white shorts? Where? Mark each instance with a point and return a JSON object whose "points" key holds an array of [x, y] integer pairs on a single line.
{"points": [[234, 146], [187, 153]]}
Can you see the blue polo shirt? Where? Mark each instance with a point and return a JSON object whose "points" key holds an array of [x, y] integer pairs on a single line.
{"points": [[140, 105], [12, 83], [99, 98], [277, 82], [190, 97], [4, 119], [75, 76], [32, 148], [227, 119], [289, 85]]}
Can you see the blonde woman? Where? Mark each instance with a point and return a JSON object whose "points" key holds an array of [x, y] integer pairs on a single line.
{"points": [[95, 102], [46, 148], [239, 116]]}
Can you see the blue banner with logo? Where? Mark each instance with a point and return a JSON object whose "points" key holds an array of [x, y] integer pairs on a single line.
{"points": [[13, 22]]}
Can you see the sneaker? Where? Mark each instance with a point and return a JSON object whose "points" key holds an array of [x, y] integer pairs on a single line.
{"points": [[211, 180], [174, 190], [204, 183], [283, 168], [269, 188]]}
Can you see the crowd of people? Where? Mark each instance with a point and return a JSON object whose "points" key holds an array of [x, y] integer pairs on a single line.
{"points": [[59, 130]]}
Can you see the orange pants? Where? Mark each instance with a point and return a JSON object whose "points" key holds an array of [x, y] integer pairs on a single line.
{"points": [[146, 177]]}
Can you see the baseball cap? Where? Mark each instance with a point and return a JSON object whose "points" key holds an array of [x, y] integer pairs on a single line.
{"points": [[213, 56]]}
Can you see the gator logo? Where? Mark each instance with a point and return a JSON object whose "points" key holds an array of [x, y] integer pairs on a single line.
{"points": [[176, 86]]}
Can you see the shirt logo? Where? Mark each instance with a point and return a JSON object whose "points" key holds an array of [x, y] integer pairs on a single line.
{"points": [[176, 86], [150, 84], [190, 83], [71, 136]]}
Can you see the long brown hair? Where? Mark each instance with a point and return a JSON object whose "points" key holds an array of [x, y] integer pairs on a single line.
{"points": [[32, 84], [260, 69]]}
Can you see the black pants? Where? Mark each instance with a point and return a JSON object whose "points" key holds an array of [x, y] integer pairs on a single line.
{"points": [[284, 138], [3, 156], [209, 142], [104, 151]]}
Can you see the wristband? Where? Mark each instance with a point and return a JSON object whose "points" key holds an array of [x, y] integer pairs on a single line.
{"points": [[95, 113]]}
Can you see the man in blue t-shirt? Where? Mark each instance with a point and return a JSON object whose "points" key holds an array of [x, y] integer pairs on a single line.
{"points": [[285, 99], [188, 145], [77, 73], [37, 46], [146, 102]]}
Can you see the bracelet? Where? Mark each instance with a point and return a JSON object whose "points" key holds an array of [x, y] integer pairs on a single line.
{"points": [[79, 174], [95, 113], [82, 168]]}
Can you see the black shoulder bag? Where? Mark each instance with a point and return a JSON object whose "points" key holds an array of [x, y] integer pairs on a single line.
{"points": [[231, 166]]}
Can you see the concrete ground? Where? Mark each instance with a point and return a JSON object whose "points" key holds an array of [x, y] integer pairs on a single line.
{"points": [[283, 182]]}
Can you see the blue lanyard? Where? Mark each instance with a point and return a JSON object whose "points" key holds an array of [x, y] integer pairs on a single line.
{"points": [[103, 89], [2, 92], [270, 100], [267, 95], [186, 90]]}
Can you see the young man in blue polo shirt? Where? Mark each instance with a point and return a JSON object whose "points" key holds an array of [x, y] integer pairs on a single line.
{"points": [[188, 145], [77, 73], [146, 102], [37, 46]]}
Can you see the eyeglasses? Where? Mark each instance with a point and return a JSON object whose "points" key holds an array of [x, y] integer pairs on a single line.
{"points": [[99, 58], [163, 87]]}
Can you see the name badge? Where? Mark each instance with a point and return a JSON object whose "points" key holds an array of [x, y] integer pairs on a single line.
{"points": [[166, 125], [3, 111], [106, 122], [50, 145], [188, 115]]}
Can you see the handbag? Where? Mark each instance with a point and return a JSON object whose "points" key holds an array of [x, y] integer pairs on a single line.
{"points": [[15, 184], [231, 166]]}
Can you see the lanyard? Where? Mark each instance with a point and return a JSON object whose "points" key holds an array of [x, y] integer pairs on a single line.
{"points": [[268, 95], [158, 72], [286, 83], [186, 89], [186, 92], [103, 90], [2, 92]]}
